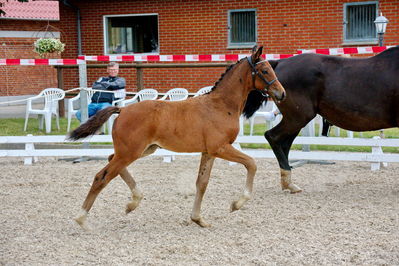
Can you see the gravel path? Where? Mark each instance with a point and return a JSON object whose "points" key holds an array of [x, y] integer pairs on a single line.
{"points": [[347, 215]]}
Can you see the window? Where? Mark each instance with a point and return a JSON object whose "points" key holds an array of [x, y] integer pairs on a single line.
{"points": [[359, 22], [128, 34], [242, 28]]}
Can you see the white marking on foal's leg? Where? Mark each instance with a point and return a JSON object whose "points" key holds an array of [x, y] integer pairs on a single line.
{"points": [[286, 182], [81, 220], [236, 205], [195, 214], [136, 198]]}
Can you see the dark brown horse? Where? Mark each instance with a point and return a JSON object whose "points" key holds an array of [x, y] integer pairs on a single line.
{"points": [[354, 94], [208, 124]]}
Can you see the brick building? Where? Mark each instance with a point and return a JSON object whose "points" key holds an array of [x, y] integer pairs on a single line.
{"points": [[169, 27], [22, 24], [216, 27]]}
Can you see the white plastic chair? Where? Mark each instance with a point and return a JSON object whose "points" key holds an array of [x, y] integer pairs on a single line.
{"points": [[71, 110], [51, 97], [203, 90], [176, 94], [120, 95], [142, 95], [267, 114]]}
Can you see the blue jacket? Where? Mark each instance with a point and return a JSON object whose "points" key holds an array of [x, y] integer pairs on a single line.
{"points": [[107, 83]]}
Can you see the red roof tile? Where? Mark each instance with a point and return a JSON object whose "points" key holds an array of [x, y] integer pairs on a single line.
{"points": [[32, 10]]}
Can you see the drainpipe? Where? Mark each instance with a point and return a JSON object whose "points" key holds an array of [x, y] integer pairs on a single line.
{"points": [[66, 2]]}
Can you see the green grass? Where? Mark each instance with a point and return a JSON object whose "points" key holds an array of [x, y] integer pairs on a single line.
{"points": [[14, 127]]}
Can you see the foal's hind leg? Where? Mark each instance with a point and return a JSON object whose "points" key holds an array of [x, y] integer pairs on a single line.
{"points": [[202, 182], [228, 152], [137, 196]]}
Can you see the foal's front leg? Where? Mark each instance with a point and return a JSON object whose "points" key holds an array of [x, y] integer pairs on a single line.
{"points": [[228, 152], [202, 182]]}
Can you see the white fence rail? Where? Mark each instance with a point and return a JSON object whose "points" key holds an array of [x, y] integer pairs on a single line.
{"points": [[376, 157]]}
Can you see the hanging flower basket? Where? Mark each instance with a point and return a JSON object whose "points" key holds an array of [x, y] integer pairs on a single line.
{"points": [[45, 46]]}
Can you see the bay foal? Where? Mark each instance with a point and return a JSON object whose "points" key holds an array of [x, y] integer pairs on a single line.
{"points": [[208, 124]]}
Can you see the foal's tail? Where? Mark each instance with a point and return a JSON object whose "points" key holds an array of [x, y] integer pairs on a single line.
{"points": [[93, 124]]}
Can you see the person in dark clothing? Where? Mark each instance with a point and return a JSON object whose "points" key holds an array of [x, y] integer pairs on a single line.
{"points": [[101, 100]]}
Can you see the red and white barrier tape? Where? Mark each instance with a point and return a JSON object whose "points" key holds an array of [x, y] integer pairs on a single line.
{"points": [[346, 50], [187, 58], [35, 62], [178, 58]]}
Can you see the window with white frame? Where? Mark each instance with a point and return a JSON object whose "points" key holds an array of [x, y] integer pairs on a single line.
{"points": [[131, 34], [359, 21], [242, 28]]}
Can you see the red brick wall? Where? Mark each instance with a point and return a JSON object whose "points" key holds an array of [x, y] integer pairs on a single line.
{"points": [[22, 80], [200, 27]]}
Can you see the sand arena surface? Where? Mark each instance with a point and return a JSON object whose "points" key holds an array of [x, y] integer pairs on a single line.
{"points": [[347, 214]]}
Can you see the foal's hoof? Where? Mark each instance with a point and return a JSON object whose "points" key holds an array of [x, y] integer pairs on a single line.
{"points": [[200, 222], [235, 206], [131, 206], [82, 222], [136, 199]]}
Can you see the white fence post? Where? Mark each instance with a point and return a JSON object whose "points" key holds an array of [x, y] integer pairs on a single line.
{"points": [[168, 159], [377, 150], [30, 147]]}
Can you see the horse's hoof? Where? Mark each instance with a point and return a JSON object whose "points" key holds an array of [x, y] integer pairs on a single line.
{"points": [[235, 206], [82, 222], [200, 222], [131, 206], [136, 199], [294, 189]]}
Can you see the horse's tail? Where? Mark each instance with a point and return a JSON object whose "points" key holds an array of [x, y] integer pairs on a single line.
{"points": [[93, 124]]}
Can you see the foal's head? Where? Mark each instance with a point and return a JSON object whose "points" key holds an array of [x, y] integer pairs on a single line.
{"points": [[263, 76]]}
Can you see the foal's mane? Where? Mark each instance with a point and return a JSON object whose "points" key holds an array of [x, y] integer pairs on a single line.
{"points": [[227, 70]]}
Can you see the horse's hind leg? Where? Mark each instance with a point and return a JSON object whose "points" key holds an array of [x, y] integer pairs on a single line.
{"points": [[202, 182], [137, 196], [228, 152]]}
